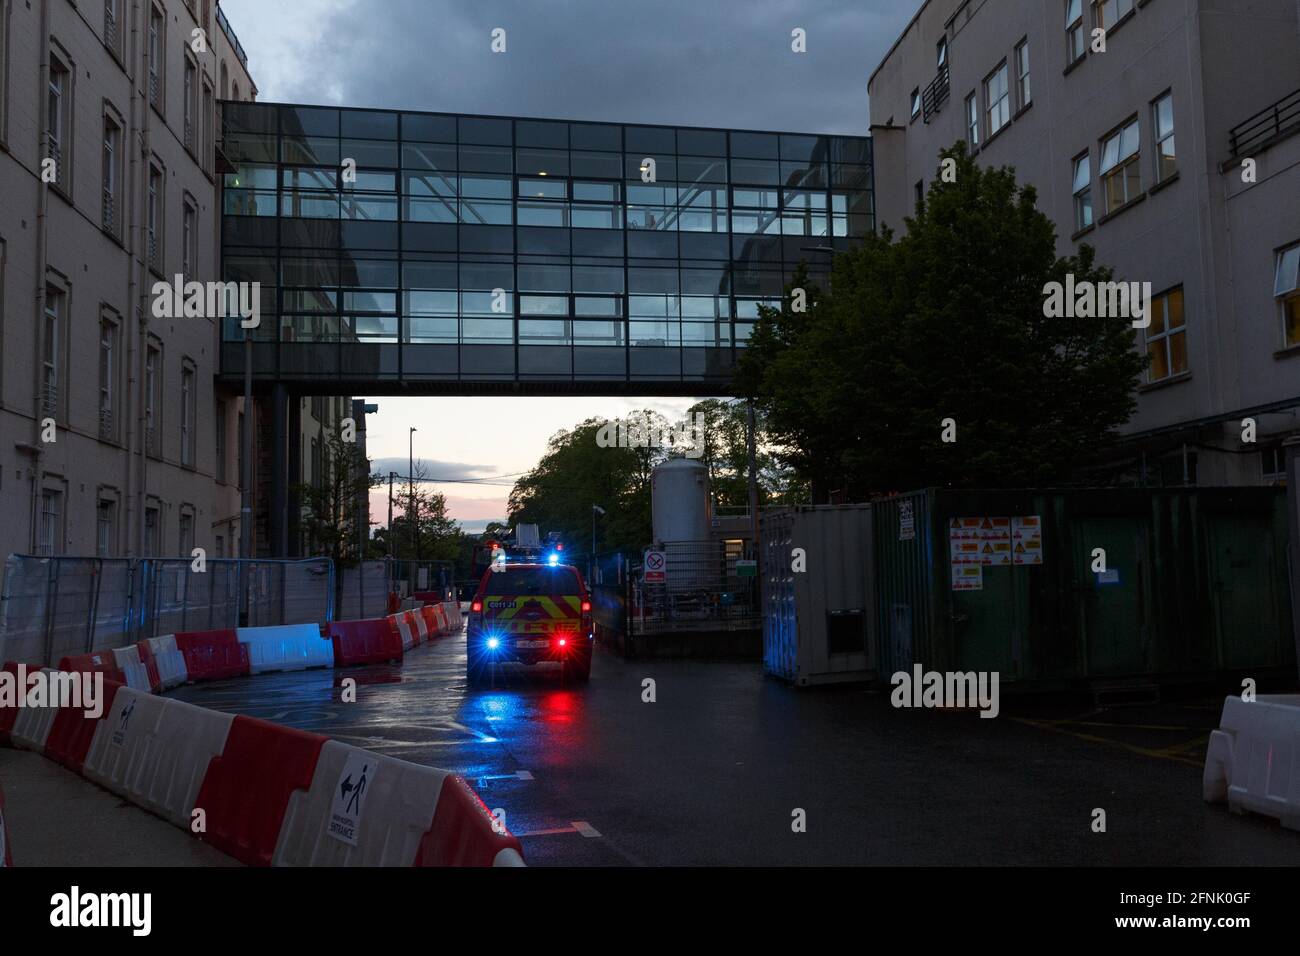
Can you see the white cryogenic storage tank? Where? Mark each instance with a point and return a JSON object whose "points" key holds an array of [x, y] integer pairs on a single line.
{"points": [[679, 509], [679, 501]]}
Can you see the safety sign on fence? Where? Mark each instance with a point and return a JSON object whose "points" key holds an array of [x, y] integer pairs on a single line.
{"points": [[656, 567]]}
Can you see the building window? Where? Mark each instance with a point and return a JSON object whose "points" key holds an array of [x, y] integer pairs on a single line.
{"points": [[1167, 336], [1121, 172], [916, 103], [997, 94], [1286, 289], [153, 218], [209, 122], [112, 176], [113, 26], [189, 240], [1082, 188], [152, 383], [1110, 12], [973, 120], [189, 411], [55, 306], [1076, 46], [190, 112], [58, 104], [152, 532], [1022, 74], [51, 529], [1272, 464], [4, 66], [107, 379], [1162, 121], [919, 190], [186, 533], [157, 52], [220, 411], [941, 54], [105, 527]]}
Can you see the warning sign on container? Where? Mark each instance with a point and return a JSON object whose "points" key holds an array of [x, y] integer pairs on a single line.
{"points": [[963, 552], [357, 777], [967, 577], [1027, 540], [964, 527], [906, 521]]}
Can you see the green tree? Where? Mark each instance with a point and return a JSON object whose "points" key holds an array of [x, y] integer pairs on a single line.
{"points": [[328, 511], [726, 454], [945, 322], [436, 536], [586, 466]]}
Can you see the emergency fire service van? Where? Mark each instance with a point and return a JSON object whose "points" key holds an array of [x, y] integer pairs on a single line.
{"points": [[529, 613]]}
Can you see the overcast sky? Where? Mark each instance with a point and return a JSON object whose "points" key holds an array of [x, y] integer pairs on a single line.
{"points": [[724, 63]]}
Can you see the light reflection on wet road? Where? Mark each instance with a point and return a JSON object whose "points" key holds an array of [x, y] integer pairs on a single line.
{"points": [[711, 772]]}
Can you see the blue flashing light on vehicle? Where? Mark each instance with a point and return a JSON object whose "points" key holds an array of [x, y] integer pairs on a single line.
{"points": [[552, 559], [493, 643]]}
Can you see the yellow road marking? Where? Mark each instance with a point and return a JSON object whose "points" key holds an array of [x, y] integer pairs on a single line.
{"points": [[1164, 754]]}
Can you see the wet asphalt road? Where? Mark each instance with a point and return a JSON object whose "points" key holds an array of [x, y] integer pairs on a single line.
{"points": [[712, 772]]}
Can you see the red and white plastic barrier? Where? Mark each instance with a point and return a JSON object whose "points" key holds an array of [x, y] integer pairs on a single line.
{"points": [[29, 727], [1253, 759], [367, 809], [134, 672], [273, 795], [403, 622], [365, 642], [286, 647], [212, 655], [169, 662]]}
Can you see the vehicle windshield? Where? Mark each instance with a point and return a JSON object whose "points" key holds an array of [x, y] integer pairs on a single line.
{"points": [[519, 580]]}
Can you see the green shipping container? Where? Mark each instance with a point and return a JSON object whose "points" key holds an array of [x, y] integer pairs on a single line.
{"points": [[1124, 582]]}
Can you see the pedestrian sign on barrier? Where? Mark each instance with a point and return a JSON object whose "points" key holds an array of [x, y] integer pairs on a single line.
{"points": [[656, 567], [349, 796]]}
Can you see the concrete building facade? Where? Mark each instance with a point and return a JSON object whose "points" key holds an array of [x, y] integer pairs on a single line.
{"points": [[113, 439], [1174, 152]]}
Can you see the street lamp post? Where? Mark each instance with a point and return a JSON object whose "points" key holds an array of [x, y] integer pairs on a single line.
{"points": [[595, 510], [391, 476], [411, 515]]}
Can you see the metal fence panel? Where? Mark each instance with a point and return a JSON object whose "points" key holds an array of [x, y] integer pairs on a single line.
{"points": [[363, 591], [702, 591], [54, 607]]}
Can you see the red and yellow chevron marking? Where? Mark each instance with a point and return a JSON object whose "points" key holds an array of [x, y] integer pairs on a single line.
{"points": [[557, 608]]}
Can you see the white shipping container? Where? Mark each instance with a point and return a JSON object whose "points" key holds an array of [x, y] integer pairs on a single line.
{"points": [[818, 622]]}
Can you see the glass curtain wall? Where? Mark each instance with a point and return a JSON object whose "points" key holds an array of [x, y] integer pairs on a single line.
{"points": [[441, 248]]}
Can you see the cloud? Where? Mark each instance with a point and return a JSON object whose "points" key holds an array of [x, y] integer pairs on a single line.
{"points": [[673, 61], [433, 469]]}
